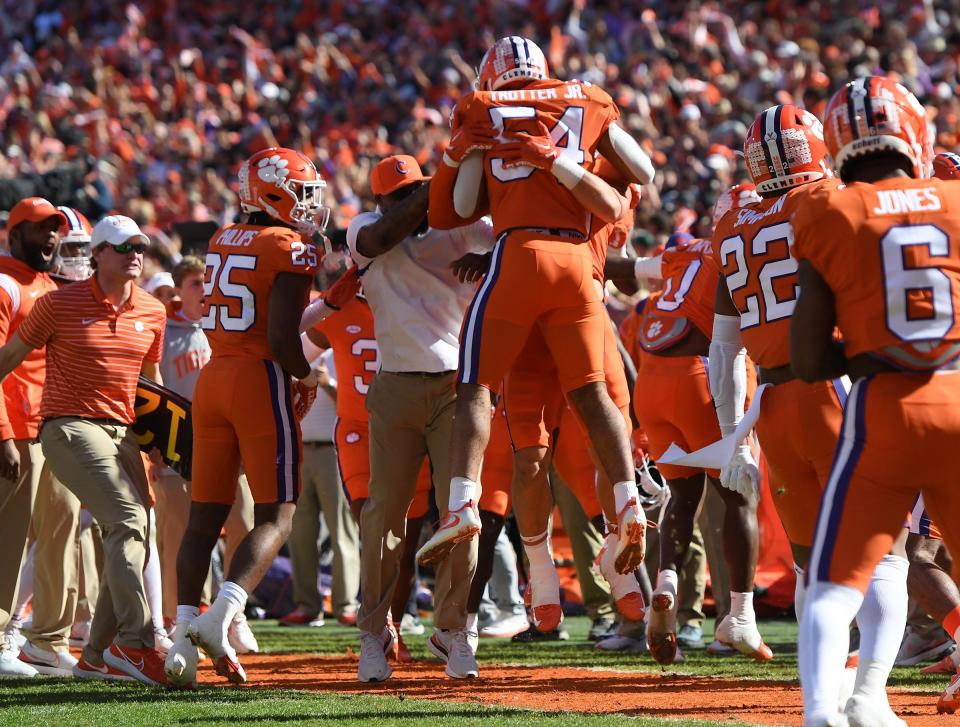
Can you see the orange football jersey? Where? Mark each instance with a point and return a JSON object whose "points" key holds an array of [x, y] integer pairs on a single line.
{"points": [[690, 278], [577, 115], [752, 246], [242, 263], [355, 355], [890, 251]]}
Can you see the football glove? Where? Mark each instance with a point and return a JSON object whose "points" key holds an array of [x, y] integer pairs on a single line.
{"points": [[741, 474], [466, 139]]}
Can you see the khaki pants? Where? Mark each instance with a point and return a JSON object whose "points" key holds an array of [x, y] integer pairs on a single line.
{"points": [[16, 507], [411, 416], [172, 513], [323, 492], [100, 463], [56, 570], [586, 543], [91, 564]]}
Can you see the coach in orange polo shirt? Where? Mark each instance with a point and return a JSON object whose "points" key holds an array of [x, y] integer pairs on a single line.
{"points": [[100, 335], [34, 236]]}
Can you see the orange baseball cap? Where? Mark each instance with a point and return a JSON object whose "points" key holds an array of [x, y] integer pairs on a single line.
{"points": [[393, 173], [33, 209]]}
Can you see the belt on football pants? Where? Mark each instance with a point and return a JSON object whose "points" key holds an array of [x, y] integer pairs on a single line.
{"points": [[550, 232]]}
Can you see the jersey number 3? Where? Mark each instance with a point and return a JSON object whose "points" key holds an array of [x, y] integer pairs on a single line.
{"points": [[219, 280]]}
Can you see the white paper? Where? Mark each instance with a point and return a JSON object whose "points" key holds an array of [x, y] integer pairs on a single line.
{"points": [[717, 455]]}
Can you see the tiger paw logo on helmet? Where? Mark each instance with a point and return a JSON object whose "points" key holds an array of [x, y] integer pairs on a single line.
{"points": [[272, 169]]}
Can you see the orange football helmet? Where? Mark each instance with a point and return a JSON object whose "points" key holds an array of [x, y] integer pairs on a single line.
{"points": [[739, 195], [946, 165], [874, 114], [72, 261], [285, 184], [511, 59], [784, 148]]}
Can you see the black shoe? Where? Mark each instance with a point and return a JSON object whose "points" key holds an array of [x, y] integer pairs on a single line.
{"points": [[532, 635], [602, 627]]}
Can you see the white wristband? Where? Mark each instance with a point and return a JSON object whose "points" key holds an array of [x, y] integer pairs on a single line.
{"points": [[450, 162], [567, 172], [648, 268]]}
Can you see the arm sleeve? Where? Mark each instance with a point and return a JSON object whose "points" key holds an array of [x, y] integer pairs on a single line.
{"points": [[38, 327], [728, 372], [629, 152], [313, 315], [310, 350], [649, 268]]}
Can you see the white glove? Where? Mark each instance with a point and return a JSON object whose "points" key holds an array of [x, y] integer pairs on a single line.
{"points": [[657, 495], [741, 474]]}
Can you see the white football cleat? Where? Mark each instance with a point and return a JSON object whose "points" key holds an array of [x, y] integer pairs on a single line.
{"points": [[210, 634], [241, 637], [623, 586], [631, 538], [457, 527], [181, 661], [744, 636], [863, 711]]}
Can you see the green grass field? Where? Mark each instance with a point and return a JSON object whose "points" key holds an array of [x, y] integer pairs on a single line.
{"points": [[68, 704]]}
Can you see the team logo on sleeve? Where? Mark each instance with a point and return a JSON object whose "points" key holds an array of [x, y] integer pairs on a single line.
{"points": [[352, 437]]}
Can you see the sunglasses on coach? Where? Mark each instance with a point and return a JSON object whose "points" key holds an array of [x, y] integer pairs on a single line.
{"points": [[124, 247]]}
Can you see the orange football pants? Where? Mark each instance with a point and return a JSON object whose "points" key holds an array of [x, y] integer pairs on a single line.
{"points": [[352, 440], [257, 429], [797, 430], [672, 402], [900, 434], [535, 403], [534, 283]]}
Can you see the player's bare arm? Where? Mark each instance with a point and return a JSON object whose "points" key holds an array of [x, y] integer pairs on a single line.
{"points": [[814, 353], [285, 308], [397, 223]]}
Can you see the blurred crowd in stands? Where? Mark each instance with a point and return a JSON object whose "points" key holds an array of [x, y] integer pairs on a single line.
{"points": [[150, 107]]}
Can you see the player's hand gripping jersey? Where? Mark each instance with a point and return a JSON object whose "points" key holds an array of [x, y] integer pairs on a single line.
{"points": [[577, 115], [243, 406]]}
